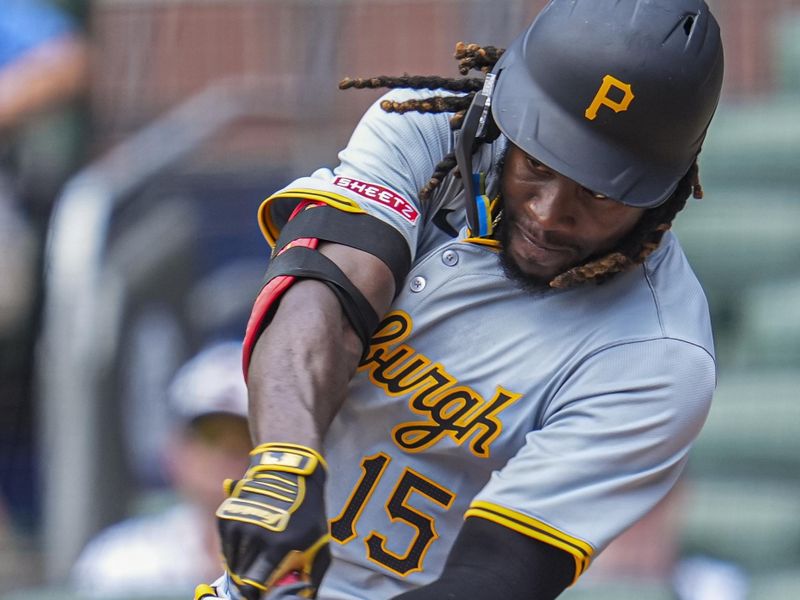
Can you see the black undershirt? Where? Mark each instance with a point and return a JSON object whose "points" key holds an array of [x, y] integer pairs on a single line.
{"points": [[491, 562]]}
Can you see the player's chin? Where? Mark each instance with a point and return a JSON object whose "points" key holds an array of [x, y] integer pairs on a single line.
{"points": [[536, 263], [530, 264], [528, 277]]}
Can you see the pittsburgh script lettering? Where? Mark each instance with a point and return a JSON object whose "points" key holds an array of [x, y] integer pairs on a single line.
{"points": [[449, 409]]}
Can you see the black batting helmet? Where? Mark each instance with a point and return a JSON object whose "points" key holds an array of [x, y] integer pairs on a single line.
{"points": [[614, 94]]}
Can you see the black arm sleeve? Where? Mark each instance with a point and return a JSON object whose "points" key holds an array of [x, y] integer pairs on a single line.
{"points": [[491, 562]]}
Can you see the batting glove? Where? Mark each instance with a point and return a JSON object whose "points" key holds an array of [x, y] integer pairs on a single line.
{"points": [[273, 525]]}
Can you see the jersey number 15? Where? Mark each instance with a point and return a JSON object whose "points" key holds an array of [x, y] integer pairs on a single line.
{"points": [[343, 527]]}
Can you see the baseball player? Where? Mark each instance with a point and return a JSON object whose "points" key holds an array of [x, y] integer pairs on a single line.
{"points": [[466, 385]]}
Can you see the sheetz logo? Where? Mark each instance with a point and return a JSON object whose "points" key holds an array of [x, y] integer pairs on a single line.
{"points": [[448, 409], [382, 195]]}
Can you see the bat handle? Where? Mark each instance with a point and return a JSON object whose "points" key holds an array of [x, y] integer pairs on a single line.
{"points": [[228, 590], [232, 592]]}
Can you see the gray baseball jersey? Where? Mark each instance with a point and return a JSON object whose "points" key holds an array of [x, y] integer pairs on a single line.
{"points": [[564, 415]]}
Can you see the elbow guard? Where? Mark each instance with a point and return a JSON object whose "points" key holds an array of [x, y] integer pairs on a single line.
{"points": [[295, 256]]}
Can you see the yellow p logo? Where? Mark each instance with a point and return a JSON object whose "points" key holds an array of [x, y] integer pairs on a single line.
{"points": [[602, 99]]}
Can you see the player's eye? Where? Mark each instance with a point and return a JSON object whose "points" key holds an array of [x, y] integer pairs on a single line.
{"points": [[538, 167], [596, 195]]}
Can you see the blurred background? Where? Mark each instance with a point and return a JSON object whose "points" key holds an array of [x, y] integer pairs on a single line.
{"points": [[137, 139]]}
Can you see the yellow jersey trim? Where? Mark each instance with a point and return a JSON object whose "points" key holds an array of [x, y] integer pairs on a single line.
{"points": [[495, 244], [271, 232], [581, 551]]}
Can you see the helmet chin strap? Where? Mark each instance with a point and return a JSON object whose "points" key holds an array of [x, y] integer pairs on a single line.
{"points": [[472, 131]]}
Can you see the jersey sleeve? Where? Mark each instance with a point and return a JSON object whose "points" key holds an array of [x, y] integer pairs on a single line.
{"points": [[388, 159], [613, 442]]}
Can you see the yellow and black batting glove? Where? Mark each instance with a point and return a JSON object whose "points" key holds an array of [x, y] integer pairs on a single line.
{"points": [[272, 525]]}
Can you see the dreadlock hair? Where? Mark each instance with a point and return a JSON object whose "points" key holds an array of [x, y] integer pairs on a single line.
{"points": [[632, 250], [470, 57]]}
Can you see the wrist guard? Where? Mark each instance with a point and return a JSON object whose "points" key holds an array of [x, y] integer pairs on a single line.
{"points": [[273, 523]]}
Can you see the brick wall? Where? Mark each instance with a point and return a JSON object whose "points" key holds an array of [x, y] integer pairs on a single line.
{"points": [[152, 54], [751, 51]]}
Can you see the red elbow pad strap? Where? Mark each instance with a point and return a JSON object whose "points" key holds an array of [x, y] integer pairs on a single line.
{"points": [[267, 299], [297, 258], [264, 306]]}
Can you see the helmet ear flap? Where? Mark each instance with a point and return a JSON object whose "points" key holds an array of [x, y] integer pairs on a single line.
{"points": [[490, 130], [477, 127]]}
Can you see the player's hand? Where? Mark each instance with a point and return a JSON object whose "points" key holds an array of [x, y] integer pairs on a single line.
{"points": [[273, 524]]}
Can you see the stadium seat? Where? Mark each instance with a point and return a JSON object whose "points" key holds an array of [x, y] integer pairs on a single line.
{"points": [[743, 492]]}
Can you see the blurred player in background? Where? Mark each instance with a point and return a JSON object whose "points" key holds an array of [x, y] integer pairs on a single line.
{"points": [[166, 552], [43, 64], [43, 67], [43, 60], [480, 356]]}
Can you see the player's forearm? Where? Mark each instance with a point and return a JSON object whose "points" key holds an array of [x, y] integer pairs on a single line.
{"points": [[301, 366], [304, 360]]}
